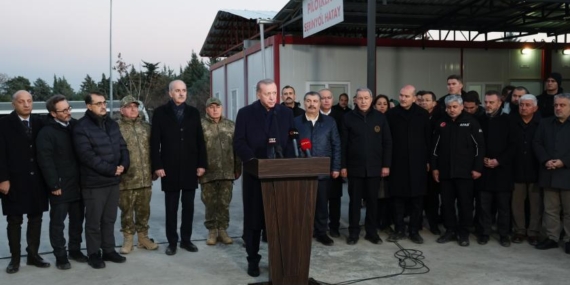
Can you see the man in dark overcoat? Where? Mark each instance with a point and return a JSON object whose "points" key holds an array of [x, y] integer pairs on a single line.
{"points": [[255, 124], [496, 179], [21, 183], [178, 157], [60, 168], [411, 135], [366, 157]]}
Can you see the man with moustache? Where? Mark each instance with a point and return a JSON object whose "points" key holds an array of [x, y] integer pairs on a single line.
{"points": [[411, 136], [22, 188], [255, 125], [552, 148], [335, 189], [288, 97], [524, 124], [514, 97], [496, 182], [366, 158], [178, 157], [457, 160], [322, 131], [103, 158], [58, 162]]}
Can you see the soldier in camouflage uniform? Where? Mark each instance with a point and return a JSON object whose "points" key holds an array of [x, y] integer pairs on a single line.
{"points": [[136, 183], [223, 168]]}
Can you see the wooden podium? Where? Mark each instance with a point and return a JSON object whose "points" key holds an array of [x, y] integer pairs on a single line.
{"points": [[289, 190]]}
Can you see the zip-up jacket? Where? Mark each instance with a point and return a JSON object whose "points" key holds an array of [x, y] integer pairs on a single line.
{"points": [[458, 147], [324, 137]]}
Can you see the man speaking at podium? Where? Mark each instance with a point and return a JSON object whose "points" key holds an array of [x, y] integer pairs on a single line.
{"points": [[261, 131]]}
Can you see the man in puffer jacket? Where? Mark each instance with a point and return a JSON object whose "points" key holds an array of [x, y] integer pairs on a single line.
{"points": [[103, 158], [322, 131]]}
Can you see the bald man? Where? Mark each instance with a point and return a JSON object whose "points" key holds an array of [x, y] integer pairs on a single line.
{"points": [[22, 187], [411, 135]]}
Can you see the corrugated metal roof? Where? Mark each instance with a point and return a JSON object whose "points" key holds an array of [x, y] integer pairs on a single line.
{"points": [[250, 15], [400, 19]]}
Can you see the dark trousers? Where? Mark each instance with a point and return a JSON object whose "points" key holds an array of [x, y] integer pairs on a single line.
{"points": [[460, 191], [321, 210], [101, 206], [171, 200], [362, 188], [252, 237], [14, 230], [414, 205], [503, 202], [432, 203], [384, 217], [58, 212], [334, 197]]}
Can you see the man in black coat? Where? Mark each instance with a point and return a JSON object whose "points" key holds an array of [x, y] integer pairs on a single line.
{"points": [[454, 87], [255, 125], [335, 190], [457, 160], [524, 124], [496, 181], [365, 158], [342, 105], [288, 97], [103, 158], [552, 148], [552, 86], [22, 188], [58, 162], [411, 137], [178, 157]]}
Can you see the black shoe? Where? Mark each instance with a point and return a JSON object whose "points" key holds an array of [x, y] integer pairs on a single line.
{"points": [[37, 261], [113, 256], [253, 269], [547, 244], [532, 240], [416, 238], [170, 250], [334, 233], [463, 240], [78, 256], [189, 246], [62, 263], [435, 230], [505, 241], [518, 238], [482, 239], [324, 239], [567, 247], [352, 240], [447, 237], [13, 266], [373, 238], [396, 236], [96, 261]]}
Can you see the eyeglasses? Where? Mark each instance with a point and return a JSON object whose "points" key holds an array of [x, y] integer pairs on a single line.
{"points": [[99, 104], [65, 111]]}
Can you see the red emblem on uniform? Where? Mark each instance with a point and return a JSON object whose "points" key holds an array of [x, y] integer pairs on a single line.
{"points": [[442, 124]]}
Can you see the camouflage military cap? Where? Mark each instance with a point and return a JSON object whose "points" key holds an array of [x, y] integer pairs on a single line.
{"points": [[213, 100], [128, 100]]}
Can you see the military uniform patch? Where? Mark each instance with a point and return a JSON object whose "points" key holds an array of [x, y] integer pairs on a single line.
{"points": [[377, 129]]}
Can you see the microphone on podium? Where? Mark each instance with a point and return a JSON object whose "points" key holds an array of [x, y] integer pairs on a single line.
{"points": [[271, 143], [306, 147], [294, 136]]}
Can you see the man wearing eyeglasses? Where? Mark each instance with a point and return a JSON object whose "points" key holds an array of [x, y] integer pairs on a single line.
{"points": [[103, 158], [59, 167]]}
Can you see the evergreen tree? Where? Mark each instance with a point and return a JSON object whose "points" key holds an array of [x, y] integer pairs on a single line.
{"points": [[41, 91]]}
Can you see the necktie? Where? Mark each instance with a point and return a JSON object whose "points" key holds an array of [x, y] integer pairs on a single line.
{"points": [[28, 129]]}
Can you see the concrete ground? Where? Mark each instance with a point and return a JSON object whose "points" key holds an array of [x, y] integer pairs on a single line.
{"points": [[226, 264]]}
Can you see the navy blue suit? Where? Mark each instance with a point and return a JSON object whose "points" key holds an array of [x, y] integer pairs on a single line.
{"points": [[254, 126]]}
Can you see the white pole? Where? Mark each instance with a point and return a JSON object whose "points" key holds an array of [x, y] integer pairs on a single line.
{"points": [[262, 36], [111, 56]]}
